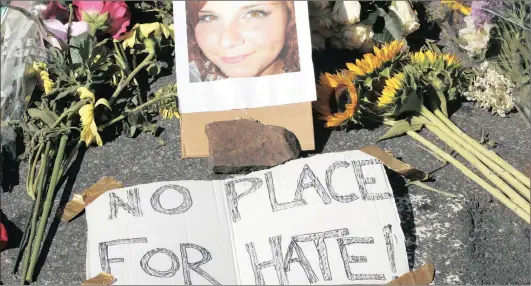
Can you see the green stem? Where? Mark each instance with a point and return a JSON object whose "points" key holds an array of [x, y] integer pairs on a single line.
{"points": [[35, 215], [489, 153], [68, 112], [47, 205], [30, 189], [473, 176], [514, 196], [121, 117], [69, 31], [130, 77], [486, 160]]}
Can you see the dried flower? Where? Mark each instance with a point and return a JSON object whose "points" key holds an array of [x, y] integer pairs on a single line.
{"points": [[357, 35], [492, 90], [112, 17], [476, 38], [347, 12], [406, 15], [480, 15]]}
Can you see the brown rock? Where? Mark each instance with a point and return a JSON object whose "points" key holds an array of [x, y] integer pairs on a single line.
{"points": [[238, 146]]}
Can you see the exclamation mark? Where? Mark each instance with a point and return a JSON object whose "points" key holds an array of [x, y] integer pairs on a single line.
{"points": [[389, 242]]}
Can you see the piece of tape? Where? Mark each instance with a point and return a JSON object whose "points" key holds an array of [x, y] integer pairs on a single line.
{"points": [[394, 164], [80, 201], [103, 278], [422, 276]]}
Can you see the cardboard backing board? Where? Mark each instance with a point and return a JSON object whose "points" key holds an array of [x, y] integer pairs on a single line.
{"points": [[297, 118]]}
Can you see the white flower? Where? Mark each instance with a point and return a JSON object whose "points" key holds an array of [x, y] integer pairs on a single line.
{"points": [[321, 19], [406, 15], [347, 12], [319, 4], [476, 38], [492, 90], [318, 42], [356, 35], [59, 30]]}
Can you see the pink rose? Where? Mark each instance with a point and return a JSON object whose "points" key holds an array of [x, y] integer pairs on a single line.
{"points": [[54, 10], [113, 17]]}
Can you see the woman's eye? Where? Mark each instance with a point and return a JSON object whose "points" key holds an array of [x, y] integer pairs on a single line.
{"points": [[207, 18], [256, 14]]}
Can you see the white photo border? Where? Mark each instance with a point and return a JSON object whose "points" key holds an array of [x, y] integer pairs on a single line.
{"points": [[242, 93]]}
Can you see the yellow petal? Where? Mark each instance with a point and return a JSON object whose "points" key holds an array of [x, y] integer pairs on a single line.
{"points": [[103, 101], [146, 29], [84, 93], [87, 114]]}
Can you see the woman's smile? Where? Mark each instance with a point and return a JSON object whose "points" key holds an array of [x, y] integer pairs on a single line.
{"points": [[236, 59]]}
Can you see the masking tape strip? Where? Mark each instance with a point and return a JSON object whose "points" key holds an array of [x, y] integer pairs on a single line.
{"points": [[394, 164], [422, 276], [103, 278], [80, 201]]}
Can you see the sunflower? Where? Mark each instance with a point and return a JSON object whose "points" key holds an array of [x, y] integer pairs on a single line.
{"points": [[390, 90], [428, 58], [47, 83], [336, 92], [89, 132], [374, 61], [458, 6]]}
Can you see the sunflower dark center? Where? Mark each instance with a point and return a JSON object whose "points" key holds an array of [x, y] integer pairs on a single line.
{"points": [[342, 97]]}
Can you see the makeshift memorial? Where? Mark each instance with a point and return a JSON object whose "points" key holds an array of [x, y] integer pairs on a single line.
{"points": [[408, 91], [255, 68], [253, 229], [88, 82]]}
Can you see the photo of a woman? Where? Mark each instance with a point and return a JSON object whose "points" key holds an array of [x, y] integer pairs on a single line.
{"points": [[228, 39]]}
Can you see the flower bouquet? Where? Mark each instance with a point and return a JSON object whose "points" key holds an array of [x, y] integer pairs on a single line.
{"points": [[409, 91], [88, 83]]}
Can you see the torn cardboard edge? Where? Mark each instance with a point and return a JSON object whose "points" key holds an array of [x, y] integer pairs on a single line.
{"points": [[103, 278], [422, 276], [80, 201], [297, 118]]}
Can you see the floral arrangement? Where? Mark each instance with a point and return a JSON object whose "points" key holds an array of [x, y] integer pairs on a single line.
{"points": [[409, 89], [90, 82]]}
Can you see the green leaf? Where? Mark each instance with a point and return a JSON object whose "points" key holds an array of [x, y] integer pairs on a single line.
{"points": [[401, 127], [411, 102], [43, 116], [393, 25], [154, 69], [81, 47], [371, 19], [443, 105], [103, 101]]}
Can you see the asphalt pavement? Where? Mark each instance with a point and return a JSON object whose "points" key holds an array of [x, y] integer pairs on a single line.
{"points": [[472, 239]]}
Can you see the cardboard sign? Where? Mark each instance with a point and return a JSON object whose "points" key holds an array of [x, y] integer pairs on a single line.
{"points": [[328, 219], [249, 59]]}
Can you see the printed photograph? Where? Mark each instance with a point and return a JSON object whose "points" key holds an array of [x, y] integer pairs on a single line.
{"points": [[229, 39]]}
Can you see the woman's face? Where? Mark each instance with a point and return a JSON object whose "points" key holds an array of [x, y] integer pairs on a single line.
{"points": [[242, 38]]}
